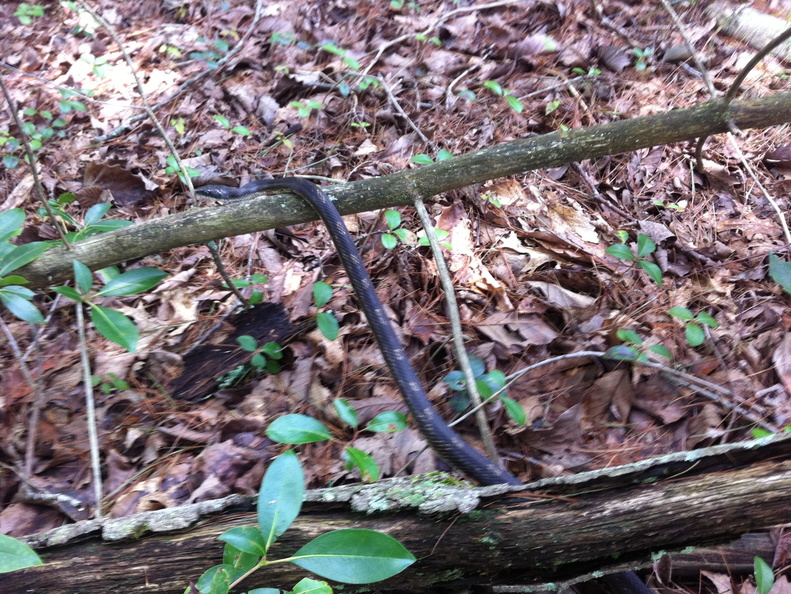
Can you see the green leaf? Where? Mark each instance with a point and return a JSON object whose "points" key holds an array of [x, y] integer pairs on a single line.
{"points": [[478, 366], [620, 251], [389, 421], [682, 313], [651, 270], [247, 342], [242, 562], [764, 578], [132, 281], [21, 255], [661, 350], [258, 361], [369, 470], [780, 271], [305, 585], [82, 276], [296, 429], [281, 496], [759, 432], [13, 280], [15, 554], [354, 556], [629, 336], [484, 390], [241, 130], [247, 539], [322, 293], [405, 235], [622, 352], [96, 213], [515, 104], [695, 335], [645, 245], [328, 325], [706, 319], [346, 412], [68, 292], [389, 241], [216, 580], [11, 222], [444, 155], [496, 379], [272, 350], [223, 121], [20, 306], [115, 326], [455, 380], [494, 87], [422, 159], [514, 410], [393, 218]]}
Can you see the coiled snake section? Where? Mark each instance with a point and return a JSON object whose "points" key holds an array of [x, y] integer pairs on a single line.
{"points": [[446, 442]]}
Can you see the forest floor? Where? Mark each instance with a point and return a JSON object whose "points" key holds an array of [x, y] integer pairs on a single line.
{"points": [[341, 91]]}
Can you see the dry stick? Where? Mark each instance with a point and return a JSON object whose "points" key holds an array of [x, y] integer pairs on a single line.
{"points": [[734, 88], [698, 384], [90, 407], [691, 47], [31, 157], [221, 63], [450, 303]]}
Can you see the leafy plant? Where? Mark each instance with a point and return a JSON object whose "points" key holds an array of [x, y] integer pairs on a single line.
{"points": [[93, 223], [693, 330], [424, 159], [643, 55], [390, 240], [13, 295], [15, 554], [325, 320], [645, 247], [111, 323], [552, 106], [488, 385], [632, 350], [498, 90], [257, 296], [264, 357], [223, 121], [352, 556], [304, 109], [592, 71], [173, 167], [212, 55], [109, 384], [27, 12], [298, 429]]}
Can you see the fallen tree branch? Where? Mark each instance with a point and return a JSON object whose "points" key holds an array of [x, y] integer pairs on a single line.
{"points": [[553, 530], [200, 225]]}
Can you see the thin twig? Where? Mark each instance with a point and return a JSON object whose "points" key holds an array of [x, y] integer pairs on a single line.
{"points": [[90, 409], [456, 330]]}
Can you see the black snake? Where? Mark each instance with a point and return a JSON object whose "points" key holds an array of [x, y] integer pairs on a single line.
{"points": [[446, 442]]}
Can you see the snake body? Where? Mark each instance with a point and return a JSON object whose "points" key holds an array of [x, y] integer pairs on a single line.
{"points": [[446, 442]]}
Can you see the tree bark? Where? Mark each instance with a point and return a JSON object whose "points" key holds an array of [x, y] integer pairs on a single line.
{"points": [[200, 225], [554, 530]]}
